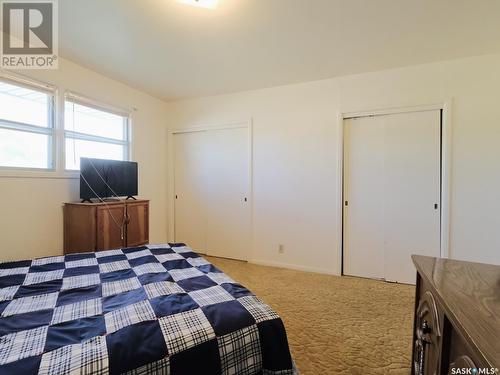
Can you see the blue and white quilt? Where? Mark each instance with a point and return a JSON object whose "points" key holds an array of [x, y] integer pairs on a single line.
{"points": [[157, 309]]}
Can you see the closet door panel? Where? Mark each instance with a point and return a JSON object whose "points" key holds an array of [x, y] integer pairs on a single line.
{"points": [[191, 176], [412, 189], [364, 157], [228, 222]]}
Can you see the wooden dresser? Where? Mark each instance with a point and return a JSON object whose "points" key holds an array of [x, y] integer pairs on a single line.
{"points": [[106, 225], [457, 317]]}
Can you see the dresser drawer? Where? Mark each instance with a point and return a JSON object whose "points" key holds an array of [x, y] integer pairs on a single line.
{"points": [[461, 359]]}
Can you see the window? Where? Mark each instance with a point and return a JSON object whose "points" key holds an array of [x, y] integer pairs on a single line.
{"points": [[92, 131], [33, 142], [26, 125]]}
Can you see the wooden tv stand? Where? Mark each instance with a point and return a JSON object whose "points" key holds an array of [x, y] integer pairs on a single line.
{"points": [[105, 225]]}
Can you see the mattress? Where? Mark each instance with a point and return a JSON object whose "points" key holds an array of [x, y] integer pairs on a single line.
{"points": [[156, 309]]}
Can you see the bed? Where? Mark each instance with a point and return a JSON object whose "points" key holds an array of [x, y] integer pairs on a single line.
{"points": [[156, 309]]}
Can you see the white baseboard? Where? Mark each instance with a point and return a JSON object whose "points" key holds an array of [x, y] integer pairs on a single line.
{"points": [[293, 267]]}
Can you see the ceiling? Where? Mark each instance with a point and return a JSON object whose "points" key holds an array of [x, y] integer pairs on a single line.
{"points": [[175, 51]]}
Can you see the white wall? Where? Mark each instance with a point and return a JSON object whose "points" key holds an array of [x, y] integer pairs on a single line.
{"points": [[296, 155], [31, 222], [295, 158]]}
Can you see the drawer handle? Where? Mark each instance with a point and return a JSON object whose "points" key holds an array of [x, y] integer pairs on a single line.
{"points": [[428, 305], [423, 339]]}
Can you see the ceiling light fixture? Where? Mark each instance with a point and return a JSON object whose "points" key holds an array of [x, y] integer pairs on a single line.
{"points": [[210, 4]]}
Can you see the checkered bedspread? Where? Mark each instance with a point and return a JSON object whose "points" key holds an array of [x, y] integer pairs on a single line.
{"points": [[157, 309]]}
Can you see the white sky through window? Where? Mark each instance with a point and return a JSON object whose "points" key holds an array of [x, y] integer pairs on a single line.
{"points": [[20, 145]]}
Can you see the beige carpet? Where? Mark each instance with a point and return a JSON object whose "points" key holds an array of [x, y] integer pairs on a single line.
{"points": [[335, 325]]}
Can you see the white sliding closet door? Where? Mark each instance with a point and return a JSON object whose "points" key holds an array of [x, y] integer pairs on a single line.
{"points": [[412, 204], [215, 210], [363, 189], [228, 223], [190, 176], [392, 185]]}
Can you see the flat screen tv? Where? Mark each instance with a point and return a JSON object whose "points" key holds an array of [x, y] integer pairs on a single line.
{"points": [[101, 179]]}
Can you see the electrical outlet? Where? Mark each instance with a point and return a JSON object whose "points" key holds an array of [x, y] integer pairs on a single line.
{"points": [[281, 248]]}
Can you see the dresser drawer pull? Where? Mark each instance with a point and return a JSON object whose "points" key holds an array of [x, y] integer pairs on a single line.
{"points": [[423, 339]]}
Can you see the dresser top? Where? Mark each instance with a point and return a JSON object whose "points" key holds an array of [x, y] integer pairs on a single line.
{"points": [[470, 295]]}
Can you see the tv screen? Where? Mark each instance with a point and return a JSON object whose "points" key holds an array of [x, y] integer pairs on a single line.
{"points": [[101, 178]]}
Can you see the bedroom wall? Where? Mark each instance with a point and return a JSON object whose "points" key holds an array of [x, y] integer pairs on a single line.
{"points": [[296, 156], [31, 223]]}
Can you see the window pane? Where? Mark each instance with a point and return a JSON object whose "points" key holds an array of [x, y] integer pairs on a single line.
{"points": [[76, 148], [23, 105], [87, 120], [23, 150]]}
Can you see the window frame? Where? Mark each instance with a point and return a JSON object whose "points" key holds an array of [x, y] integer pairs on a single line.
{"points": [[50, 131], [57, 146], [72, 97]]}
